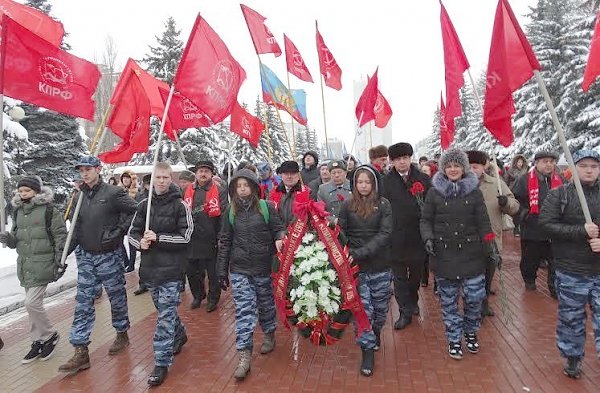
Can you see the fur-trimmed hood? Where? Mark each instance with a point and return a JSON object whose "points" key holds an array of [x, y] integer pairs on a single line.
{"points": [[44, 197], [458, 189]]}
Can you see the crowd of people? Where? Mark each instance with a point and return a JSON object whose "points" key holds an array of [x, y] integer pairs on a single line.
{"points": [[401, 219]]}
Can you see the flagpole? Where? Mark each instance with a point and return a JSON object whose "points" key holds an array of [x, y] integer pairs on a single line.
{"points": [[2, 58], [294, 152], [491, 141], [370, 135], [324, 119], [563, 143], [178, 144], [355, 136]]}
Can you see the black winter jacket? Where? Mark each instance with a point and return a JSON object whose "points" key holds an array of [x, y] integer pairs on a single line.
{"points": [[456, 219], [406, 237], [104, 218], [247, 246], [314, 187], [368, 239], [309, 174], [206, 229], [562, 219], [171, 220]]}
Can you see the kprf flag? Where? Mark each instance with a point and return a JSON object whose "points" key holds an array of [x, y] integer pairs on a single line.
{"points": [[592, 69], [446, 128], [365, 108], [246, 125], [132, 114], [34, 20], [510, 65], [208, 74], [295, 62], [275, 93], [183, 113], [263, 39], [456, 64], [383, 111], [331, 71], [40, 73]]}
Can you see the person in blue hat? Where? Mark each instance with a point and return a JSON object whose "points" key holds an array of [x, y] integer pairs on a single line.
{"points": [[576, 250]]}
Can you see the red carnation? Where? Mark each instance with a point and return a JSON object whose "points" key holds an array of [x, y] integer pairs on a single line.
{"points": [[417, 188], [489, 237]]}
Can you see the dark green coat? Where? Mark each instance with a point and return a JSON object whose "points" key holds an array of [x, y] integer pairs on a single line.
{"points": [[36, 256]]}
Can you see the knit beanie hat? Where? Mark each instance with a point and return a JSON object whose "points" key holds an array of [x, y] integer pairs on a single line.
{"points": [[33, 182]]}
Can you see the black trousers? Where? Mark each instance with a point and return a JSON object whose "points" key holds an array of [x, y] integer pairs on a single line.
{"points": [[407, 280], [532, 253], [196, 272]]}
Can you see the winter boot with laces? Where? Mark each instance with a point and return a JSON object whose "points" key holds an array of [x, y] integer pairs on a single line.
{"points": [[455, 351], [269, 344], [120, 343], [573, 367], [471, 342], [243, 367], [79, 361]]}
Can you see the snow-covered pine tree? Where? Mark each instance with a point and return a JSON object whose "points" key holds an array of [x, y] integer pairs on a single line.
{"points": [[302, 136], [312, 139], [162, 60], [279, 143], [203, 144], [41, 5]]}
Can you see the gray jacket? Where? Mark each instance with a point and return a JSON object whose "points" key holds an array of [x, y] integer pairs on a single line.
{"points": [[334, 196]]}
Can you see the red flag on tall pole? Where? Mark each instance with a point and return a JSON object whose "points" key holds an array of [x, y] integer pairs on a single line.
{"points": [[208, 74], [446, 128], [456, 64], [131, 114], [183, 113], [592, 69], [295, 62], [331, 71], [510, 65], [263, 39], [365, 108], [383, 111], [40, 73], [34, 20], [246, 125]]}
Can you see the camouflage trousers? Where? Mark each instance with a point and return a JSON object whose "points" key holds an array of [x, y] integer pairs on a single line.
{"points": [[574, 292], [94, 271], [166, 298], [473, 290], [252, 294], [375, 290]]}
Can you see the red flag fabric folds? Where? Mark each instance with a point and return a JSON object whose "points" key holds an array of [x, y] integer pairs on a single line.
{"points": [[263, 39], [365, 108], [132, 114], [34, 20], [208, 75], [245, 125], [510, 65], [446, 126], [183, 113], [383, 111], [40, 73], [331, 71], [455, 62], [295, 62], [592, 69]]}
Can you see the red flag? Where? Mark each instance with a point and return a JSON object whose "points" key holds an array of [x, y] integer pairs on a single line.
{"points": [[365, 108], [40, 73], [208, 75], [592, 69], [455, 62], [383, 111], [132, 114], [183, 113], [295, 62], [245, 125], [263, 39], [510, 65], [446, 126], [331, 71], [34, 20]]}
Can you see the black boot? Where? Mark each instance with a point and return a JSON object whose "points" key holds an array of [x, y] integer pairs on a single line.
{"points": [[212, 305], [368, 362], [180, 341], [196, 303], [377, 339], [573, 367], [404, 320], [158, 375], [486, 311]]}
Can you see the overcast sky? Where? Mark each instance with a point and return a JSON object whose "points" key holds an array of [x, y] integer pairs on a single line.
{"points": [[401, 37]]}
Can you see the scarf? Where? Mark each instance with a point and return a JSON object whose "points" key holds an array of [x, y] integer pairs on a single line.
{"points": [[534, 189], [212, 206]]}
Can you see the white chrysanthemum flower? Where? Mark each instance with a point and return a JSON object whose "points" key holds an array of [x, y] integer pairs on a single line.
{"points": [[322, 256], [300, 291], [319, 246], [331, 274], [329, 308], [312, 311], [296, 308], [323, 291], [336, 307], [308, 238], [336, 290]]}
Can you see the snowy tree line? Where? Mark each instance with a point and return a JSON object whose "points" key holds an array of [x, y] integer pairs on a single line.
{"points": [[559, 32]]}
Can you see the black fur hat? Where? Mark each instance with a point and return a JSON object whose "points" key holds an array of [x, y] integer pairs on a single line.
{"points": [[399, 150], [477, 157]]}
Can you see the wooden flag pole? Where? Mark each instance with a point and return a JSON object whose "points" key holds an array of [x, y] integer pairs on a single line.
{"points": [[324, 119], [294, 152], [563, 143]]}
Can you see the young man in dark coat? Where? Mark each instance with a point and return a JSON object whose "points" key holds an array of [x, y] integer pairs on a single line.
{"points": [[576, 249], [164, 250], [310, 164], [207, 200], [405, 187], [531, 190]]}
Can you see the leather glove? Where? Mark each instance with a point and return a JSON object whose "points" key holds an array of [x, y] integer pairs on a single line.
{"points": [[502, 200], [429, 247], [4, 237], [224, 283]]}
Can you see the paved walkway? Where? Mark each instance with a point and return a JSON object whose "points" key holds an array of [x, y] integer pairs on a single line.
{"points": [[516, 356]]}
